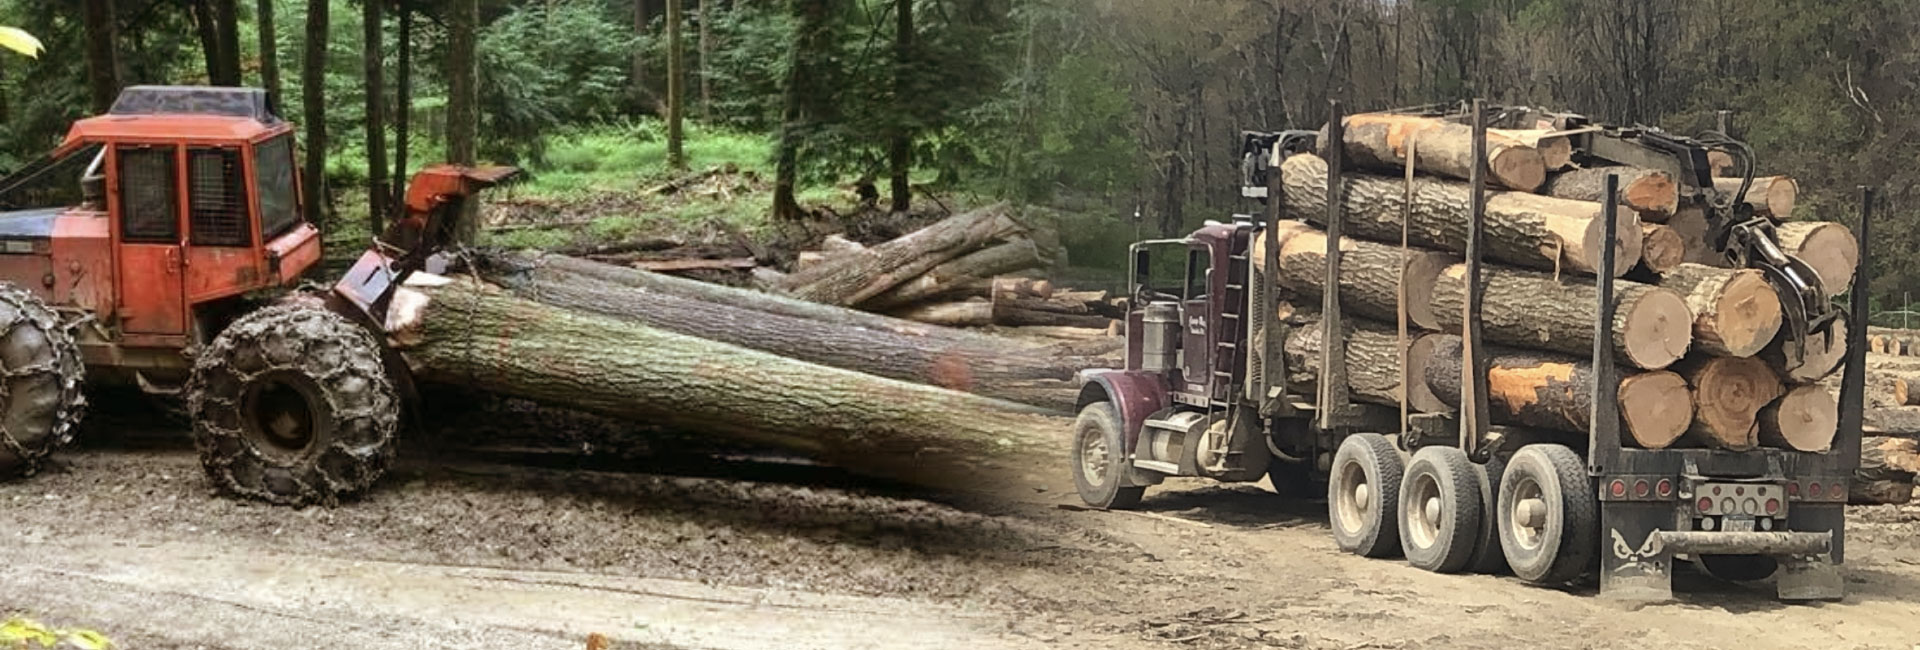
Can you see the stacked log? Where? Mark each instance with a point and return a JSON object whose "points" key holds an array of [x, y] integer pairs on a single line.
{"points": [[1704, 353]]}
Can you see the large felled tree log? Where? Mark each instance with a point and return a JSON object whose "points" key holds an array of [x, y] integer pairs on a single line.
{"points": [[1735, 312], [1015, 255], [1771, 196], [855, 276], [1651, 325], [1373, 359], [1662, 248], [1522, 229], [1810, 360], [1552, 391], [1690, 222], [976, 364], [1650, 192], [1382, 141], [920, 434], [1556, 151], [1804, 419], [1370, 274], [1827, 247], [1728, 393], [1882, 477]]}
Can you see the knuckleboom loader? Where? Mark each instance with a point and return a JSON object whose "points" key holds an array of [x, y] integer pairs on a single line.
{"points": [[1205, 393]]}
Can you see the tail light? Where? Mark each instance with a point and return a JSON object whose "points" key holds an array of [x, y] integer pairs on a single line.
{"points": [[1665, 488], [1641, 488], [1813, 490], [1793, 488], [1705, 504], [1619, 488], [1773, 506]]}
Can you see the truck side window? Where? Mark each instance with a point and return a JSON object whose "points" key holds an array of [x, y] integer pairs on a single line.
{"points": [[217, 198], [1197, 264], [273, 182], [149, 200]]}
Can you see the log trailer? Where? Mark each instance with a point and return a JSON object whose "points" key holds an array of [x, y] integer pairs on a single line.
{"points": [[162, 245], [1205, 393]]}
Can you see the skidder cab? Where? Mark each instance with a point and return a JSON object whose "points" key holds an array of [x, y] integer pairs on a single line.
{"points": [[159, 245]]}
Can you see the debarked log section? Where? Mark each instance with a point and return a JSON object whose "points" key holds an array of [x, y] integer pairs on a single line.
{"points": [[1384, 140], [1526, 230], [1651, 325], [488, 339], [1553, 391]]}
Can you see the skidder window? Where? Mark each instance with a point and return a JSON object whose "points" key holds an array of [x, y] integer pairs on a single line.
{"points": [[273, 182], [149, 205], [217, 214]]}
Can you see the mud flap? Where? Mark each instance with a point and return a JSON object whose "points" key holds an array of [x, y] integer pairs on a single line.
{"points": [[1635, 566]]}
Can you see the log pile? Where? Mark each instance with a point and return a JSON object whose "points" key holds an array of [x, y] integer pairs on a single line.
{"points": [[1704, 356], [977, 269]]}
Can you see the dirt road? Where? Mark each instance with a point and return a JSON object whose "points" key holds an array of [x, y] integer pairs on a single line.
{"points": [[459, 555]]}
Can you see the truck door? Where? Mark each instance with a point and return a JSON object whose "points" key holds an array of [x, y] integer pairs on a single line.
{"points": [[146, 212], [1196, 343]]}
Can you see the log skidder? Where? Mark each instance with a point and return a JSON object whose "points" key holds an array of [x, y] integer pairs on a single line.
{"points": [[291, 405], [40, 399]]}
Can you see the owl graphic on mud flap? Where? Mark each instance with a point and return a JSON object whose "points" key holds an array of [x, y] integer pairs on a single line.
{"points": [[1641, 558]]}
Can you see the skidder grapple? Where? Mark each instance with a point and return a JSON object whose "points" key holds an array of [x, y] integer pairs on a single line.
{"points": [[162, 245], [1473, 350]]}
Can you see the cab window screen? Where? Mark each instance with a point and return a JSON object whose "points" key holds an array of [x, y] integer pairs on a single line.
{"points": [[217, 198], [273, 183], [149, 200]]}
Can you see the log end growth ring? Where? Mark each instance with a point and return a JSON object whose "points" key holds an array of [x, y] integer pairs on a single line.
{"points": [[1748, 314], [1658, 329], [1805, 419], [1517, 166], [1657, 407], [1628, 242]]}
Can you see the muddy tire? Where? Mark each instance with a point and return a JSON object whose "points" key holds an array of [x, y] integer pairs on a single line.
{"points": [[1363, 496], [41, 402], [1549, 515], [1439, 510], [1100, 470], [292, 406], [1487, 557]]}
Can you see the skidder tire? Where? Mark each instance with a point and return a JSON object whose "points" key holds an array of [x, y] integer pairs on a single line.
{"points": [[1439, 510], [1363, 494], [1100, 469], [1549, 515], [292, 406], [40, 375]]}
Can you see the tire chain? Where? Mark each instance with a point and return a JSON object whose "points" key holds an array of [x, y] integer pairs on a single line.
{"points": [[21, 454]]}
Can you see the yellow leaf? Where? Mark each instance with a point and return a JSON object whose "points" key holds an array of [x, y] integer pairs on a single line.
{"points": [[88, 640], [25, 631], [18, 40]]}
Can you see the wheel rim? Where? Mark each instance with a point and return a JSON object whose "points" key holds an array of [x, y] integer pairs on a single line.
{"points": [[1094, 455], [1424, 505], [281, 414], [1353, 501], [1529, 517]]}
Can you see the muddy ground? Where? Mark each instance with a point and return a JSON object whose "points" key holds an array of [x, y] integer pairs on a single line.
{"points": [[470, 552]]}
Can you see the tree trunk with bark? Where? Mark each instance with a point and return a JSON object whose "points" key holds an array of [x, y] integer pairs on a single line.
{"points": [[1521, 229], [1804, 419], [208, 32], [103, 61], [812, 35], [1886, 472], [372, 60], [676, 90], [463, 99], [1770, 196], [900, 144], [705, 70], [1532, 310], [313, 101], [1373, 359], [1735, 312], [1728, 393], [269, 45], [854, 277], [978, 365], [402, 101], [226, 21], [1829, 248], [1650, 192], [920, 434], [1383, 140], [1016, 255], [1370, 274], [637, 74], [1552, 391]]}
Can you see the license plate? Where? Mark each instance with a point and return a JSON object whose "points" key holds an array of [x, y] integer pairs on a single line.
{"points": [[1739, 525]]}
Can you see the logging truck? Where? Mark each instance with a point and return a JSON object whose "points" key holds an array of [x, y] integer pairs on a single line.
{"points": [[1621, 417], [162, 245]]}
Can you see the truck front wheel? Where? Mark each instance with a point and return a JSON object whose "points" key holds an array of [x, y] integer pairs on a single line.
{"points": [[1100, 469], [292, 406]]}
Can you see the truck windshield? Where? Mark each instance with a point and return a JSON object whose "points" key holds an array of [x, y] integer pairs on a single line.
{"points": [[1159, 267]]}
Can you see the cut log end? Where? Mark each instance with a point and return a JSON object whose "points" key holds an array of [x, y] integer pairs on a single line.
{"points": [[1657, 408], [1819, 354], [1748, 314], [1657, 330], [1728, 394], [1653, 193], [1828, 248], [1422, 271], [1420, 396], [1517, 166], [1805, 419], [1627, 243], [1662, 248]]}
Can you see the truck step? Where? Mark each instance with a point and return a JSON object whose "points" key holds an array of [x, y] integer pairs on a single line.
{"points": [[1157, 466]]}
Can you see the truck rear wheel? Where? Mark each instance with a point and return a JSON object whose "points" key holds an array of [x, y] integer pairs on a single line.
{"points": [[40, 398], [1439, 510], [1487, 557], [1100, 470], [1363, 494], [292, 406], [1549, 515]]}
